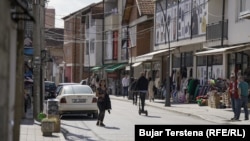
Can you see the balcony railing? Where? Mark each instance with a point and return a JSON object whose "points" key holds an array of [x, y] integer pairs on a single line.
{"points": [[214, 31]]}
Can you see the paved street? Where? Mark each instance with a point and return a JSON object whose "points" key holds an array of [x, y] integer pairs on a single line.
{"points": [[31, 130]]}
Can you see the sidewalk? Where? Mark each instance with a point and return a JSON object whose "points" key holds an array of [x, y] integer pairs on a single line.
{"points": [[30, 130], [218, 116]]}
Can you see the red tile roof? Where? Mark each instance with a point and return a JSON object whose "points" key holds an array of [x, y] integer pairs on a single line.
{"points": [[146, 7]]}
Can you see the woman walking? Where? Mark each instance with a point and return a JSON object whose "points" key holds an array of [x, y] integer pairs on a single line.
{"points": [[150, 89], [103, 102]]}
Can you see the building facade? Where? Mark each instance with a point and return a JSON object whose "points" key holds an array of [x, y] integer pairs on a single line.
{"points": [[82, 42]]}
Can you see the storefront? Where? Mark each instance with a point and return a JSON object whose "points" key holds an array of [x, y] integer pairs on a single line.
{"points": [[114, 77]]}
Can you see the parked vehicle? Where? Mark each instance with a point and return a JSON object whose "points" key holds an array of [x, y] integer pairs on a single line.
{"points": [[59, 86], [77, 99], [50, 88]]}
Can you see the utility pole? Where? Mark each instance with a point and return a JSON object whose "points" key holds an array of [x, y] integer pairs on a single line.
{"points": [[81, 51], [43, 60], [167, 99], [36, 58]]}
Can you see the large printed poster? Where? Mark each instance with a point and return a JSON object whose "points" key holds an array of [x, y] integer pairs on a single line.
{"points": [[160, 28], [199, 15], [184, 19]]}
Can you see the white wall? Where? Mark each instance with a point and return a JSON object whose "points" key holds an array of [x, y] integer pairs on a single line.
{"points": [[238, 31], [95, 58]]}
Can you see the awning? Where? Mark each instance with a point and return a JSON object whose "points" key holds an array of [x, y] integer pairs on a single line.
{"points": [[115, 67], [151, 55], [231, 49], [136, 64], [95, 68]]}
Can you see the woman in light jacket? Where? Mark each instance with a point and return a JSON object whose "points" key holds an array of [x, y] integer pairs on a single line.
{"points": [[150, 89]]}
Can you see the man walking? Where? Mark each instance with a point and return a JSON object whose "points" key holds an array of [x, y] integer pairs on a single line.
{"points": [[125, 84], [233, 92], [243, 96]]}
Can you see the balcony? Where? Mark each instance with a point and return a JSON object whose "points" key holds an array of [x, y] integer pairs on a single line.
{"points": [[112, 22], [214, 31]]}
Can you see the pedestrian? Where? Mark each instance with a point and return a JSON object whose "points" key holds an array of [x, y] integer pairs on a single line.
{"points": [[243, 96], [133, 90], [142, 87], [103, 102], [233, 92], [150, 89], [125, 84]]}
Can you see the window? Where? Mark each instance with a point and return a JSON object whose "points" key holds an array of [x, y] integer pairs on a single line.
{"points": [[132, 35], [201, 61], [217, 59], [92, 22], [87, 22], [92, 46], [176, 61], [241, 6], [188, 59], [87, 47]]}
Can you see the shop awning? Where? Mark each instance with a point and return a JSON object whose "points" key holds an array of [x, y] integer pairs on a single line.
{"points": [[151, 55], [96, 68], [136, 64], [231, 49], [115, 67]]}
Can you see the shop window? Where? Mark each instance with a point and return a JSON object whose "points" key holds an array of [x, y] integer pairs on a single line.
{"points": [[201, 61], [231, 58], [188, 59], [176, 61], [217, 60]]}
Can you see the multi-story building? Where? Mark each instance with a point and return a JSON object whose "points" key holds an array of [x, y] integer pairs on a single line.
{"points": [[50, 18], [115, 54], [82, 42], [54, 47], [138, 20], [201, 37]]}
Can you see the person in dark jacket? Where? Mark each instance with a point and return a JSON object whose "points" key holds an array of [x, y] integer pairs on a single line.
{"points": [[103, 102], [133, 90], [142, 87]]}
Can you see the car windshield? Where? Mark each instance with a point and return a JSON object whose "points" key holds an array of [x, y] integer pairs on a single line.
{"points": [[75, 89], [50, 84]]}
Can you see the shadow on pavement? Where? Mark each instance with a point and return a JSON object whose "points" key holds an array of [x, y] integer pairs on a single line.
{"points": [[109, 127], [73, 137], [27, 121], [75, 127]]}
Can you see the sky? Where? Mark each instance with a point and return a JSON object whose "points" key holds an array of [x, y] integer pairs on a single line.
{"points": [[66, 7]]}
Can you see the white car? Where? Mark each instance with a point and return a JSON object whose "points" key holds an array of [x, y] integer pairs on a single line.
{"points": [[77, 99]]}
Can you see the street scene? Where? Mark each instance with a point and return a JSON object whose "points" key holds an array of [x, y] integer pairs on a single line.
{"points": [[108, 70]]}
